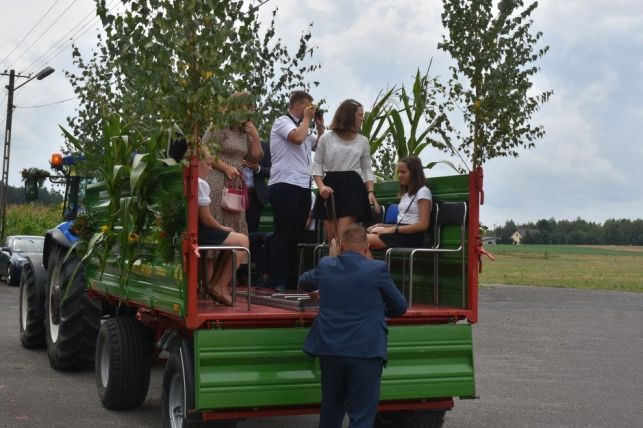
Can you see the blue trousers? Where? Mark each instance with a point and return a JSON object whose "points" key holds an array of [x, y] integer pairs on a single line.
{"points": [[349, 385]]}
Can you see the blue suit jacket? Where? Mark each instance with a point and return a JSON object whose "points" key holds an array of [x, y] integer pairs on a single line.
{"points": [[355, 297]]}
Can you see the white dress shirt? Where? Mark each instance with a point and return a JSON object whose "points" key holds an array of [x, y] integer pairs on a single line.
{"points": [[290, 161]]}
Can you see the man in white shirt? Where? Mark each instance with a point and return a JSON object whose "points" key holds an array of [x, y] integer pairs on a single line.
{"points": [[291, 143]]}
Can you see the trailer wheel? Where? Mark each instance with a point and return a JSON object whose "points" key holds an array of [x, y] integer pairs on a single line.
{"points": [[72, 319], [123, 363], [31, 310], [178, 388], [178, 392], [410, 419]]}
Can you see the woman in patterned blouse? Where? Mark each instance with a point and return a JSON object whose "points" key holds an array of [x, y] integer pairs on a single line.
{"points": [[342, 168]]}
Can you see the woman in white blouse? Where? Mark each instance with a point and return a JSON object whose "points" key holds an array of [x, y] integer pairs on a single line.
{"points": [[414, 210], [342, 168]]}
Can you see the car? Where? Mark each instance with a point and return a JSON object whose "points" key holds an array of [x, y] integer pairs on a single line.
{"points": [[14, 255]]}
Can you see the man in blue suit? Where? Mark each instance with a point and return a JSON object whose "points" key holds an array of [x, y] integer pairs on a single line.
{"points": [[356, 294]]}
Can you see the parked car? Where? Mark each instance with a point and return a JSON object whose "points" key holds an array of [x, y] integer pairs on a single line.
{"points": [[13, 255]]}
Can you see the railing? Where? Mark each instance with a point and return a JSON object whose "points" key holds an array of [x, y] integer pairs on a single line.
{"points": [[233, 249]]}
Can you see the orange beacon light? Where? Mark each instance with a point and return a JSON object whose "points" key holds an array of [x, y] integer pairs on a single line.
{"points": [[56, 161]]}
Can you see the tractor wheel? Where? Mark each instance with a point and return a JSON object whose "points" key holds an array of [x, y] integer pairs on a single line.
{"points": [[123, 363], [410, 419], [72, 319], [32, 310]]}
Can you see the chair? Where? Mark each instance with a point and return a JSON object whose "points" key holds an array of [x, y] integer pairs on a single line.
{"points": [[391, 214], [302, 246], [320, 245], [446, 214], [233, 249]]}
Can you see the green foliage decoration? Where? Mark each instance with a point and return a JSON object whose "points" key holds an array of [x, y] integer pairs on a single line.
{"points": [[404, 122], [491, 82], [179, 62], [37, 174], [170, 217], [128, 168], [375, 130]]}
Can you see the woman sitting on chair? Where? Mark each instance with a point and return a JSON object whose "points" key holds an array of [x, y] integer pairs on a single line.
{"points": [[211, 232], [414, 210]]}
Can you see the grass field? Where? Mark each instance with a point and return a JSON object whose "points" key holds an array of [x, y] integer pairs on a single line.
{"points": [[576, 266], [32, 219]]}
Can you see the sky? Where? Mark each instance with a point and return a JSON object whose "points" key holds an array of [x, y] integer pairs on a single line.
{"points": [[588, 165]]}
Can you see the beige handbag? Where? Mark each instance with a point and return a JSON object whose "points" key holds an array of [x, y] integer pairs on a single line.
{"points": [[234, 198]]}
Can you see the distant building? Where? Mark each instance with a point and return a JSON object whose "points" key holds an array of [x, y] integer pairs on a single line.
{"points": [[518, 236], [490, 240]]}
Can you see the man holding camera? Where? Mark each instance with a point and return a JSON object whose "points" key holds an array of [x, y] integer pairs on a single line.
{"points": [[291, 143]]}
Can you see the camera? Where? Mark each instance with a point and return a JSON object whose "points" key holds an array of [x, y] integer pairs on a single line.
{"points": [[319, 114]]}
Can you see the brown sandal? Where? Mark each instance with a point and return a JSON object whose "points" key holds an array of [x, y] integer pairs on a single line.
{"points": [[217, 297]]}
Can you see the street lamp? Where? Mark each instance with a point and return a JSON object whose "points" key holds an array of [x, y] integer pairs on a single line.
{"points": [[11, 88]]}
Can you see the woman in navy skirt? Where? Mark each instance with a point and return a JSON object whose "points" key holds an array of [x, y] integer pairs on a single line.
{"points": [[211, 232], [342, 168]]}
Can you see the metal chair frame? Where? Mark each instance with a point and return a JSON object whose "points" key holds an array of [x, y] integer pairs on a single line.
{"points": [[233, 249], [435, 250]]}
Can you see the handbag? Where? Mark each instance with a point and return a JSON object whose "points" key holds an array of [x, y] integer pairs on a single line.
{"points": [[333, 245], [234, 198]]}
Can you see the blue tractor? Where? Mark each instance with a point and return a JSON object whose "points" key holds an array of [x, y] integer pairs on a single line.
{"points": [[54, 311]]}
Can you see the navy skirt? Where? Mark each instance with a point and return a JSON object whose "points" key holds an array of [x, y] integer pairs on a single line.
{"points": [[351, 197], [404, 240], [211, 236]]}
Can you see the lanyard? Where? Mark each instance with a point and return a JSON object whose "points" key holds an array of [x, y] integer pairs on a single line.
{"points": [[297, 123]]}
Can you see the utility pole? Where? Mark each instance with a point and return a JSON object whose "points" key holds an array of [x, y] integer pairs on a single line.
{"points": [[7, 151], [11, 88]]}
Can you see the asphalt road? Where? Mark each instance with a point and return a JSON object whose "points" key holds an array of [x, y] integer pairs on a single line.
{"points": [[545, 357]]}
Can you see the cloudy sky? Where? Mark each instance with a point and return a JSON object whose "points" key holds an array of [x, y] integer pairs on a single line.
{"points": [[589, 165]]}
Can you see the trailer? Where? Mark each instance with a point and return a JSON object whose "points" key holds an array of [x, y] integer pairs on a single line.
{"points": [[125, 307]]}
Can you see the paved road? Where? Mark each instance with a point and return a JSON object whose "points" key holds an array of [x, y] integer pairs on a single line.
{"points": [[545, 357]]}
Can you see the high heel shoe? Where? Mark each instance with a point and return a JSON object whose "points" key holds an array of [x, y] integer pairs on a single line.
{"points": [[219, 297]]}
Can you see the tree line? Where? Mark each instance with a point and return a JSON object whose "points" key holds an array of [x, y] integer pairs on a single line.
{"points": [[16, 195], [579, 231]]}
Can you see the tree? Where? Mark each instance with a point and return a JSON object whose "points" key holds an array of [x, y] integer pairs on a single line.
{"points": [[491, 80], [177, 63]]}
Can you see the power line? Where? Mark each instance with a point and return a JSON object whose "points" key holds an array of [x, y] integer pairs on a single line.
{"points": [[30, 31], [62, 44], [261, 4], [49, 104], [43, 33], [61, 41]]}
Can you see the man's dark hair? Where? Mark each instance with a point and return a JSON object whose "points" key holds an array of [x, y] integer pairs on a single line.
{"points": [[297, 96]]}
